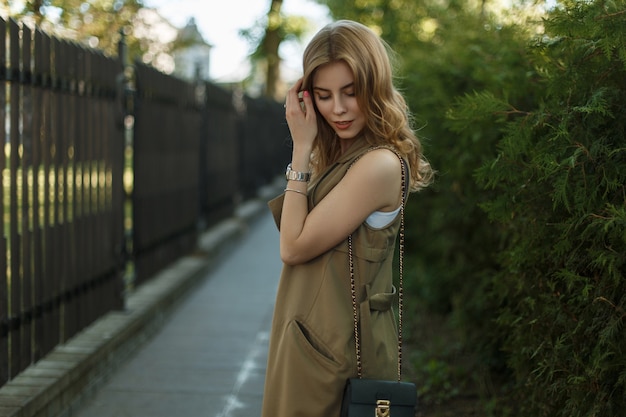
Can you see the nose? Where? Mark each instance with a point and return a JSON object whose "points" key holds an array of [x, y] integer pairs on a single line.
{"points": [[339, 106]]}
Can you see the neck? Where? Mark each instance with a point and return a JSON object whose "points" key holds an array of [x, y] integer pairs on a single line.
{"points": [[346, 144]]}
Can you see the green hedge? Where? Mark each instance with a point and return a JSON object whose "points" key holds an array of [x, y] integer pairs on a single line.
{"points": [[453, 245], [557, 194]]}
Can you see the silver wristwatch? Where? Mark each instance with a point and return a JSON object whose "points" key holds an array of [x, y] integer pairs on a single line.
{"points": [[291, 175]]}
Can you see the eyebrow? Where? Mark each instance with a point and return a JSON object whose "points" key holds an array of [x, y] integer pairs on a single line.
{"points": [[341, 88]]}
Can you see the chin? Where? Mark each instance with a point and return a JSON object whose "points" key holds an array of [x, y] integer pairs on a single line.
{"points": [[343, 134]]}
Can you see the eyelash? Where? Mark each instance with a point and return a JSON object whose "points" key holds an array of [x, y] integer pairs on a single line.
{"points": [[322, 98]]}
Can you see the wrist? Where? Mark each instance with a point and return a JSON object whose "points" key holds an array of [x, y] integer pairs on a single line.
{"points": [[300, 159]]}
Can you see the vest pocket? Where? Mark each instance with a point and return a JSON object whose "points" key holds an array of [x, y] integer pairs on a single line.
{"points": [[311, 344]]}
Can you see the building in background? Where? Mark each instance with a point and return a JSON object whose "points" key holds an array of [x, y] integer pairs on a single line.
{"points": [[182, 52], [191, 53]]}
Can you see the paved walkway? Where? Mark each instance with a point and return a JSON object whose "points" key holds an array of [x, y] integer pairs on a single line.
{"points": [[208, 359]]}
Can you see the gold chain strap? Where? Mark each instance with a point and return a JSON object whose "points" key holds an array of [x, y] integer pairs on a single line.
{"points": [[357, 339]]}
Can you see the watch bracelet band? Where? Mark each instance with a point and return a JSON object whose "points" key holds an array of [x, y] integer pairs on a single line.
{"points": [[292, 175]]}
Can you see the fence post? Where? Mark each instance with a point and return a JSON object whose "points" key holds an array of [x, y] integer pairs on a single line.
{"points": [[201, 103], [4, 309], [126, 96]]}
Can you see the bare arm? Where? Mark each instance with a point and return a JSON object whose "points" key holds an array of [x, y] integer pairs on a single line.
{"points": [[372, 184]]}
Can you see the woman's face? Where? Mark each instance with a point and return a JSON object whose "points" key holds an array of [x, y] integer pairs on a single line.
{"points": [[333, 91]]}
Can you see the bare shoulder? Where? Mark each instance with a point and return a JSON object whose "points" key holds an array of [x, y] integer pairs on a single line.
{"points": [[380, 162], [377, 175]]}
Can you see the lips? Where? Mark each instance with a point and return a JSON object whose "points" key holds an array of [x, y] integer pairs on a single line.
{"points": [[343, 125]]}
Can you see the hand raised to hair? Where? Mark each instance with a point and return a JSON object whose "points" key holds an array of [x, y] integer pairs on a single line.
{"points": [[302, 121]]}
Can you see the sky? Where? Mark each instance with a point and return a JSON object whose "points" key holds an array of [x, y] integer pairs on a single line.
{"points": [[219, 22]]}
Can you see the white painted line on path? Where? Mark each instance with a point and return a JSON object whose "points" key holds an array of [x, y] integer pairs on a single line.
{"points": [[248, 366]]}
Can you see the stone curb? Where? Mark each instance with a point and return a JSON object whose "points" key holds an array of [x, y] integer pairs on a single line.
{"points": [[57, 384]]}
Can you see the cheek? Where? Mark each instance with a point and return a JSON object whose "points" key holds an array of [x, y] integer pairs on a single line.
{"points": [[323, 108], [355, 106]]}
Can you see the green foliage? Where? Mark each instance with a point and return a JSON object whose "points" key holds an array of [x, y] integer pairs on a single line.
{"points": [[454, 242], [437, 378], [557, 195], [99, 24], [267, 35], [94, 23], [393, 19]]}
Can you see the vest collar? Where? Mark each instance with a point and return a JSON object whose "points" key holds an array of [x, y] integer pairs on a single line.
{"points": [[357, 148]]}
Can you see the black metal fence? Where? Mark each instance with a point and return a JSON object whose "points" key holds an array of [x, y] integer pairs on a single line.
{"points": [[107, 168]]}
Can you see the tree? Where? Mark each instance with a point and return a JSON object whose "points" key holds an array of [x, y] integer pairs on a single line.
{"points": [[99, 23], [268, 35], [93, 23], [269, 47]]}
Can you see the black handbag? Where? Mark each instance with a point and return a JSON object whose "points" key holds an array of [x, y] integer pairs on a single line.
{"points": [[378, 398], [373, 397]]}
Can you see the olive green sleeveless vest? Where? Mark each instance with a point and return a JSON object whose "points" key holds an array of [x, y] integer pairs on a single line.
{"points": [[312, 351]]}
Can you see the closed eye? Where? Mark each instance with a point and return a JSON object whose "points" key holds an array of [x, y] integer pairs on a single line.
{"points": [[326, 97]]}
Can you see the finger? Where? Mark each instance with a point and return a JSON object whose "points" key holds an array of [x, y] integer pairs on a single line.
{"points": [[306, 99]]}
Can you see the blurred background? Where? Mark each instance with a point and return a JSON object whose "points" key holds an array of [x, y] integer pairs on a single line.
{"points": [[516, 256]]}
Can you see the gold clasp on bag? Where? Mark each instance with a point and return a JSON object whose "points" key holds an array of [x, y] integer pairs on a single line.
{"points": [[382, 408]]}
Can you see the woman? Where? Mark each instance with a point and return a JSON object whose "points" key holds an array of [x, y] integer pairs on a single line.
{"points": [[345, 179]]}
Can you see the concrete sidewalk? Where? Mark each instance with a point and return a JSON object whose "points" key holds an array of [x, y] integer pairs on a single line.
{"points": [[209, 357]]}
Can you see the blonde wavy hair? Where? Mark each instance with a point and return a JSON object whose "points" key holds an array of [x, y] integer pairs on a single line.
{"points": [[387, 114]]}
